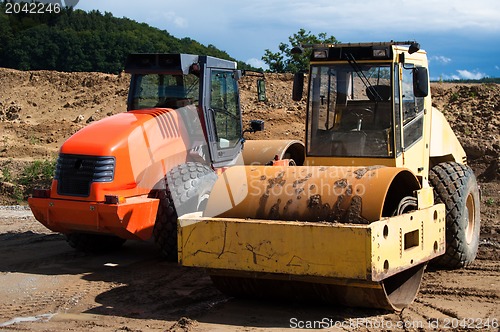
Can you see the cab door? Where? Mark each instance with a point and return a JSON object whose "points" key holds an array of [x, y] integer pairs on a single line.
{"points": [[412, 114], [223, 115]]}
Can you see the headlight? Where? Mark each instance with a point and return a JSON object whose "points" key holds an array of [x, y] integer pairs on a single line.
{"points": [[380, 52], [320, 54]]}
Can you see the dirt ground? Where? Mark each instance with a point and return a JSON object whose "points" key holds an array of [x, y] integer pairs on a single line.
{"points": [[46, 286]]}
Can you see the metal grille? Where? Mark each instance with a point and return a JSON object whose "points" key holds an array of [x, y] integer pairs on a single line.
{"points": [[75, 173]]}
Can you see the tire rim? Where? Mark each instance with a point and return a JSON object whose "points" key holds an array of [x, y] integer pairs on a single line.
{"points": [[470, 208]]}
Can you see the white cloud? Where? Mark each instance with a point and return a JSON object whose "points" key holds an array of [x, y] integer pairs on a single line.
{"points": [[449, 77], [330, 15], [470, 75], [463, 74], [497, 67], [257, 63], [245, 28], [178, 21], [390, 16], [439, 58]]}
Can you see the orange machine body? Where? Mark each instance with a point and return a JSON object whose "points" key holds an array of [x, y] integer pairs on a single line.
{"points": [[146, 144]]}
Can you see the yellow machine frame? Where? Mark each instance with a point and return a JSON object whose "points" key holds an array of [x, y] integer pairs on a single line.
{"points": [[361, 252]]}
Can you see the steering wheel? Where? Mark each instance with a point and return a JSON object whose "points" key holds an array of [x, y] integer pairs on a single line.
{"points": [[362, 112]]}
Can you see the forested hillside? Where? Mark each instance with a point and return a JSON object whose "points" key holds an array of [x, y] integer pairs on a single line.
{"points": [[74, 40]]}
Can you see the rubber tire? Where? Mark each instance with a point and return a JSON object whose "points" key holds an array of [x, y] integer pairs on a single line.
{"points": [[94, 243], [191, 184], [455, 185]]}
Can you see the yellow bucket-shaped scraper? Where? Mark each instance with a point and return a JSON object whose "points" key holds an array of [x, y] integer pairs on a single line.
{"points": [[354, 236]]}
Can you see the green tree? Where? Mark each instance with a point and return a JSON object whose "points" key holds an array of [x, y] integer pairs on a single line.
{"points": [[74, 40], [284, 61]]}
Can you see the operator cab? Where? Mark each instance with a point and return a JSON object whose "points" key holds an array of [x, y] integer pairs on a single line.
{"points": [[209, 85], [350, 111], [162, 81], [359, 98]]}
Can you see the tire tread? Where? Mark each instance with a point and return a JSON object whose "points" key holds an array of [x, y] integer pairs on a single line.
{"points": [[450, 180], [185, 181]]}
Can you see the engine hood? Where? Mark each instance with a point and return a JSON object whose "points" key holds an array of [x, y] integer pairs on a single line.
{"points": [[104, 137], [145, 145]]}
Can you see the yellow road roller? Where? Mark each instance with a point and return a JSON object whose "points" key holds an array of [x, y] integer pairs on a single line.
{"points": [[384, 190]]}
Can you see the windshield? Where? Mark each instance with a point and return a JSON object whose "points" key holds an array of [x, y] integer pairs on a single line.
{"points": [[350, 111], [164, 90]]}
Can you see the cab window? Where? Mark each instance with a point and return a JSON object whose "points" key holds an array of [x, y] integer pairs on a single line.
{"points": [[164, 90], [224, 103], [413, 110], [350, 111]]}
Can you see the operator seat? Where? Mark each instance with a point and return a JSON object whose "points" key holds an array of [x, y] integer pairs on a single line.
{"points": [[379, 93]]}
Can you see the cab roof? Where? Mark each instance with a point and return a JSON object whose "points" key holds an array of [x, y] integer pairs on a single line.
{"points": [[178, 63]]}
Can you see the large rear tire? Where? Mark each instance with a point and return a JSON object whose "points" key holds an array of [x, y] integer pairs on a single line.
{"points": [[94, 243], [187, 189], [455, 185]]}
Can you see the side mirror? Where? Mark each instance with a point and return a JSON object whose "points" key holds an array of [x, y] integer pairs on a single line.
{"points": [[261, 90], [238, 74], [420, 82], [256, 125], [298, 86]]}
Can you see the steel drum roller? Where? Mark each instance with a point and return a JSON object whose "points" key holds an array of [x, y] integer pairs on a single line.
{"points": [[359, 195], [310, 193]]}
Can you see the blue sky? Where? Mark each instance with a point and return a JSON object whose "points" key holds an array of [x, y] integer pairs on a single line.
{"points": [[462, 37]]}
